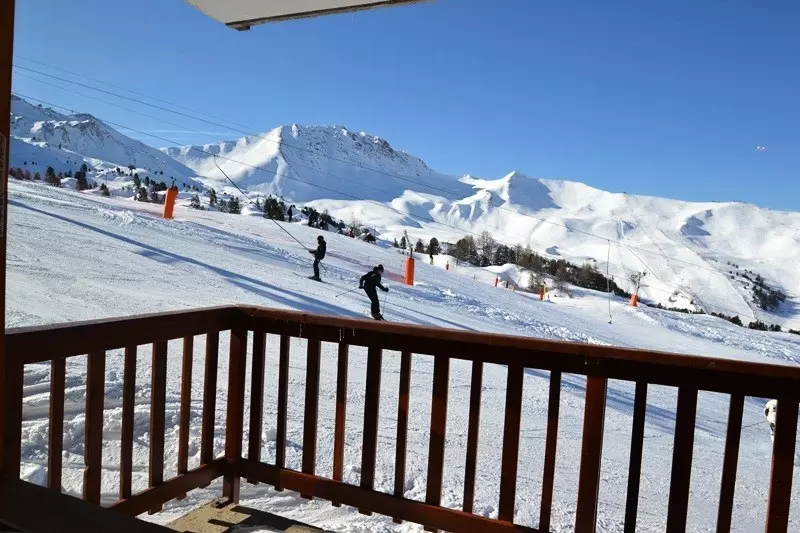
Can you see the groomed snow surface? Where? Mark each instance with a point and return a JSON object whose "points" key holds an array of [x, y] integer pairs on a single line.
{"points": [[75, 256]]}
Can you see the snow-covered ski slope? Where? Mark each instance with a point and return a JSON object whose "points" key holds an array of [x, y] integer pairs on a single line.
{"points": [[74, 256], [685, 247]]}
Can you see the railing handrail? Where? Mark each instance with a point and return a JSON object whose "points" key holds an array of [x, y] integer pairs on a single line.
{"points": [[48, 342], [657, 367], [45, 343]]}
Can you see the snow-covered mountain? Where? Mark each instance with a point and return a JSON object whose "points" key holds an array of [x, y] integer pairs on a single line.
{"points": [[696, 254], [42, 137]]}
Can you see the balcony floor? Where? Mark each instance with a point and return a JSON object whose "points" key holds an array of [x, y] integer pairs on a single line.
{"points": [[219, 517]]}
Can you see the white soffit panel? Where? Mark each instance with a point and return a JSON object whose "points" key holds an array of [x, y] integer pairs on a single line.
{"points": [[241, 14]]}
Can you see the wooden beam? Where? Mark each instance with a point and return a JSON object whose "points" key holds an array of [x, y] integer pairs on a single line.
{"points": [[6, 59]]}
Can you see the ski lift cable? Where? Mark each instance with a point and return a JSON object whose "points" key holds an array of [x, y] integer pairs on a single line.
{"points": [[249, 200]]}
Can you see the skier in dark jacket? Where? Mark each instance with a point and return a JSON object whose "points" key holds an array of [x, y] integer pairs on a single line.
{"points": [[319, 255], [369, 282]]}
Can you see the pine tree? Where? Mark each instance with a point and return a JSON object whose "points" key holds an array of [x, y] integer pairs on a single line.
{"points": [[141, 195], [234, 207], [212, 197], [104, 190], [84, 168], [394, 243], [81, 182], [434, 248], [50, 177], [37, 176], [403, 242], [137, 183], [419, 247], [154, 197], [194, 203]]}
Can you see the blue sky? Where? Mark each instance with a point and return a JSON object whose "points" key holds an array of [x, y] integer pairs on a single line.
{"points": [[662, 98]]}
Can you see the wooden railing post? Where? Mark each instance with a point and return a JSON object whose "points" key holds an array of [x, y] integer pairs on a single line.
{"points": [[508, 467], [372, 399], [283, 406], [401, 440], [93, 446], [730, 463], [158, 402], [126, 429], [184, 415], [235, 417], [257, 397], [12, 418], [680, 479], [209, 398], [780, 483], [591, 454], [56, 437], [470, 466], [341, 414], [548, 478], [311, 416], [635, 461]]}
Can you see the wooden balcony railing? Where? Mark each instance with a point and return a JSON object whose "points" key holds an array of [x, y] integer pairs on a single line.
{"points": [[56, 344]]}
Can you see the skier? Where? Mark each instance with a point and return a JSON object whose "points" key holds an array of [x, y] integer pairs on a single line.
{"points": [[369, 282], [290, 213], [319, 255]]}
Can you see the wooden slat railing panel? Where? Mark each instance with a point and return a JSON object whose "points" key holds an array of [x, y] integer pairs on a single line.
{"points": [[93, 444], [209, 398], [311, 416], [283, 405], [234, 422], [341, 414], [551, 440], [470, 466], [158, 403], [730, 463], [511, 430], [439, 393], [257, 395], [58, 374], [680, 480], [635, 461], [780, 484], [401, 442], [594, 414], [372, 399], [126, 429], [184, 416]]}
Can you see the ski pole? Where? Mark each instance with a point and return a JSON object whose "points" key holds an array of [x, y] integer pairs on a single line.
{"points": [[346, 292]]}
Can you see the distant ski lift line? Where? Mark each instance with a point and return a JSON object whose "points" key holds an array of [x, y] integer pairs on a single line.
{"points": [[242, 14]]}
